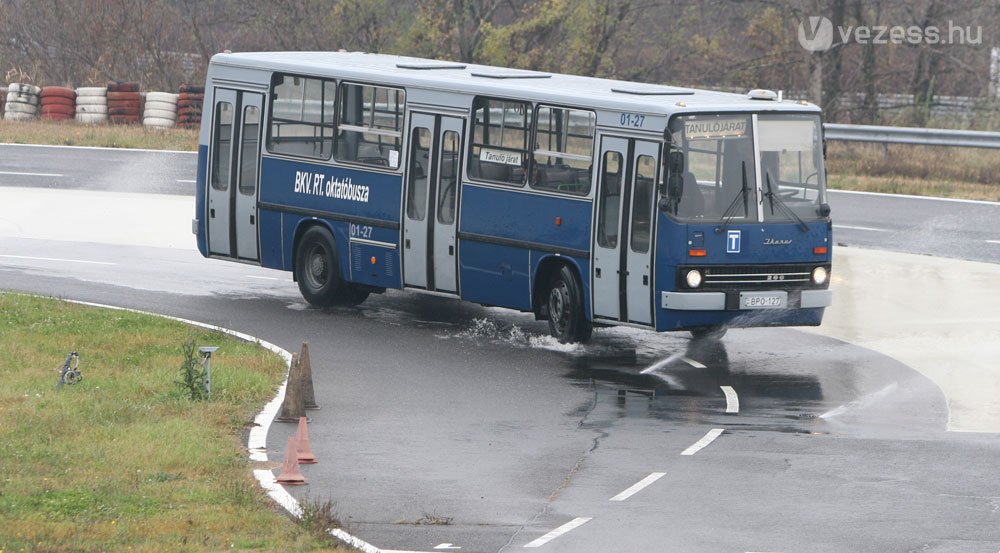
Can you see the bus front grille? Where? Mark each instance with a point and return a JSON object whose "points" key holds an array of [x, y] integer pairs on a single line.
{"points": [[744, 277]]}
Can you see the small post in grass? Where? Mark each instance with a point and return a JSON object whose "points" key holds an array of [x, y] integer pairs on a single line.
{"points": [[206, 352]]}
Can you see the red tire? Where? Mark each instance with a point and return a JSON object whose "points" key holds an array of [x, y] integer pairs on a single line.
{"points": [[57, 117], [57, 101], [124, 119], [190, 96], [118, 86], [124, 96], [58, 91], [131, 106], [58, 110], [128, 111]]}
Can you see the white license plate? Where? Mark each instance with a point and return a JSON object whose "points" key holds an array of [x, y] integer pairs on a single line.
{"points": [[763, 300]]}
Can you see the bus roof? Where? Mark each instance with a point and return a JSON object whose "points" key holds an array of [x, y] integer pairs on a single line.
{"points": [[556, 88]]}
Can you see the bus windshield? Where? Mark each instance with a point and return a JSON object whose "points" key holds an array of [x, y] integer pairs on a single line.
{"points": [[720, 169], [718, 161], [791, 156]]}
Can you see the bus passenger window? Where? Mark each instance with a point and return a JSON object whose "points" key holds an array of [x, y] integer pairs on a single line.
{"points": [[611, 199], [642, 203], [448, 181], [563, 150], [302, 117], [416, 194], [370, 126], [249, 151], [223, 142], [499, 147]]}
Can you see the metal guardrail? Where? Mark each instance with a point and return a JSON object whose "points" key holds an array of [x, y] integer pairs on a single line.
{"points": [[911, 135]]}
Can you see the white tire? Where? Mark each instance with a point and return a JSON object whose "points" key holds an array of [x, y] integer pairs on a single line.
{"points": [[88, 108], [162, 106], [161, 97], [91, 100], [91, 118], [160, 114], [17, 115], [25, 88], [20, 107], [92, 91], [22, 97], [157, 122]]}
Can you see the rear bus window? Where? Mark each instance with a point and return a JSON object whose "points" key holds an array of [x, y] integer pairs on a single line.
{"points": [[499, 147], [370, 125], [302, 117], [564, 145]]}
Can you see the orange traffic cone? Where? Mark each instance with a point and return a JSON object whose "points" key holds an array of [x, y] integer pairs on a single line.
{"points": [[290, 474], [303, 449], [292, 407]]}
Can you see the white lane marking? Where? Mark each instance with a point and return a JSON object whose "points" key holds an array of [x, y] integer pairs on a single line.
{"points": [[575, 523], [732, 400], [6, 144], [702, 443], [31, 174], [264, 277], [664, 362], [446, 546], [57, 259], [187, 181], [912, 197], [638, 486], [852, 227], [693, 363], [660, 364]]}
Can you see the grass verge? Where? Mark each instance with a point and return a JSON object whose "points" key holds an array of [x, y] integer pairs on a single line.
{"points": [[966, 173], [70, 133], [123, 461]]}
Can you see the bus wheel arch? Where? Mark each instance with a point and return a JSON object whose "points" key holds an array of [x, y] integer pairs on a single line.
{"points": [[559, 297]]}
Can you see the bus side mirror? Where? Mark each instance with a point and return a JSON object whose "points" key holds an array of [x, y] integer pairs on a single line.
{"points": [[823, 210], [676, 163], [675, 186]]}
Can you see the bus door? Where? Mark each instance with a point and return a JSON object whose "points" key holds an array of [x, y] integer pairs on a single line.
{"points": [[233, 179], [623, 254], [430, 206]]}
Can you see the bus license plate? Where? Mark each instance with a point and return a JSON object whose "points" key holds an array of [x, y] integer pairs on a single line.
{"points": [[763, 300]]}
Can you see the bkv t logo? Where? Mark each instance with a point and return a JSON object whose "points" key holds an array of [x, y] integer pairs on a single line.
{"points": [[816, 34], [733, 241]]}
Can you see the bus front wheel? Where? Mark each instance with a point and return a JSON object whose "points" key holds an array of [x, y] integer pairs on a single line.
{"points": [[567, 319], [708, 332], [317, 269]]}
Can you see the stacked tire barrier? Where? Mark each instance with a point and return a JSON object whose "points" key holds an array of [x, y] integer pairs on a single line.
{"points": [[21, 101], [58, 103], [189, 106], [124, 103], [3, 98], [160, 110], [91, 104]]}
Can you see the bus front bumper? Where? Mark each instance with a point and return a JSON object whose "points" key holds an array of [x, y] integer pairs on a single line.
{"points": [[732, 301]]}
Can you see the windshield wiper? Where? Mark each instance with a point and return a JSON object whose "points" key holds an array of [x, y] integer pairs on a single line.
{"points": [[730, 212], [782, 206]]}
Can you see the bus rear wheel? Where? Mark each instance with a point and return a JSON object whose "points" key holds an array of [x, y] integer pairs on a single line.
{"points": [[317, 269], [567, 319]]}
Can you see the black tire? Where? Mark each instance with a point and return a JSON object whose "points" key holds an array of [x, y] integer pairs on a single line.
{"points": [[567, 317], [317, 269], [709, 332]]}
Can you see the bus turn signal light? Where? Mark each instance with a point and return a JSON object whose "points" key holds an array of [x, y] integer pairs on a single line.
{"points": [[820, 250], [373, 260], [697, 253]]}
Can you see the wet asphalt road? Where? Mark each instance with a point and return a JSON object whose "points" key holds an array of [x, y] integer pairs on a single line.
{"points": [[437, 411]]}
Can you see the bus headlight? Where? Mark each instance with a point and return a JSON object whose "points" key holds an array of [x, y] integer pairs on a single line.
{"points": [[693, 278], [819, 275]]}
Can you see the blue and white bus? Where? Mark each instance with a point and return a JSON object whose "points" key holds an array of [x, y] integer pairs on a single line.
{"points": [[588, 202]]}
